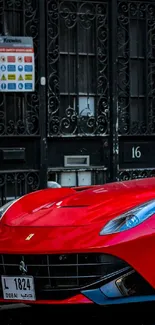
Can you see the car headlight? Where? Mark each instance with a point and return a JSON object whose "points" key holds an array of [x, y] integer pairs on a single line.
{"points": [[4, 207], [129, 219]]}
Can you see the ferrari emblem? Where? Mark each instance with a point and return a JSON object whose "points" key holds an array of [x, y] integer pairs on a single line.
{"points": [[29, 236], [23, 267]]}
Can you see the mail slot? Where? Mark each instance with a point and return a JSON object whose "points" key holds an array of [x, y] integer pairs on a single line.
{"points": [[9, 154]]}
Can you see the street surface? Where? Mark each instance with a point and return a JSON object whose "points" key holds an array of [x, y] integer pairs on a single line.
{"points": [[20, 314]]}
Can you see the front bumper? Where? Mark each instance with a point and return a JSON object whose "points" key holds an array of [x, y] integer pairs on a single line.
{"points": [[79, 279]]}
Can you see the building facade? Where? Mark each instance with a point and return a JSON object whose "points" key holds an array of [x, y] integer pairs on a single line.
{"points": [[91, 119]]}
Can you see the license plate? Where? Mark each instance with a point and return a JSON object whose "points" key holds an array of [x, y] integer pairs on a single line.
{"points": [[18, 288]]}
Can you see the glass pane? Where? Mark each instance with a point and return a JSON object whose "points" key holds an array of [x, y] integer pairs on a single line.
{"points": [[68, 74], [86, 74], [137, 109], [67, 37], [86, 42], [137, 38], [86, 106], [137, 77]]}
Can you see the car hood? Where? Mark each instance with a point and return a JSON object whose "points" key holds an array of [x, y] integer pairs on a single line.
{"points": [[66, 207]]}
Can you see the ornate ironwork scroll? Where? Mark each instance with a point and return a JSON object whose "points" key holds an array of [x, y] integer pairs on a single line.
{"points": [[136, 67], [128, 174], [19, 113], [15, 184], [77, 68]]}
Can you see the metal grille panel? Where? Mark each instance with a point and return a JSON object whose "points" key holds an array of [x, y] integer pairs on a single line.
{"points": [[61, 272]]}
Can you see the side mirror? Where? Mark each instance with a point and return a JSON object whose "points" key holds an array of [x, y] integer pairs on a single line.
{"points": [[52, 184]]}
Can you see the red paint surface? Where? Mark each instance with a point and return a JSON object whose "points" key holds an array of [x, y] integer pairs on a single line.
{"points": [[65, 221], [76, 300]]}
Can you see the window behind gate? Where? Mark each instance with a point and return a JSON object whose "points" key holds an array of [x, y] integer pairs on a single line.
{"points": [[78, 75]]}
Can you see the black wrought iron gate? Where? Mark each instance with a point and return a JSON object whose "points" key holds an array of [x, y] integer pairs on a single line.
{"points": [[94, 119]]}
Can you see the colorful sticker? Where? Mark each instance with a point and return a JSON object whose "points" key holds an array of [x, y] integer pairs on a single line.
{"points": [[3, 67], [3, 77], [28, 68], [28, 86], [3, 86], [20, 59], [20, 78], [20, 68], [3, 59], [11, 86], [11, 77], [28, 77], [11, 59], [11, 68], [28, 59], [20, 86]]}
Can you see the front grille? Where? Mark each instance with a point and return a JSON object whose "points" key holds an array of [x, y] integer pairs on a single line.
{"points": [[56, 275]]}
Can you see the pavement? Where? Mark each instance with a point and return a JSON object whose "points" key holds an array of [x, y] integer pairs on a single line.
{"points": [[21, 314]]}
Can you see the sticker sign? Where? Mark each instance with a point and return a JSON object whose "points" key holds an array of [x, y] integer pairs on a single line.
{"points": [[28, 77], [28, 59], [3, 86], [11, 77], [28, 68], [2, 59], [11, 68], [11, 58], [20, 78], [17, 56], [3, 77]]}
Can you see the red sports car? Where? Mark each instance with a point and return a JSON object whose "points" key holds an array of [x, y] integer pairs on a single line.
{"points": [[80, 246]]}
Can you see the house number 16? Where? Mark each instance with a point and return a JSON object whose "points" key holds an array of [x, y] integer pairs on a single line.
{"points": [[136, 153]]}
